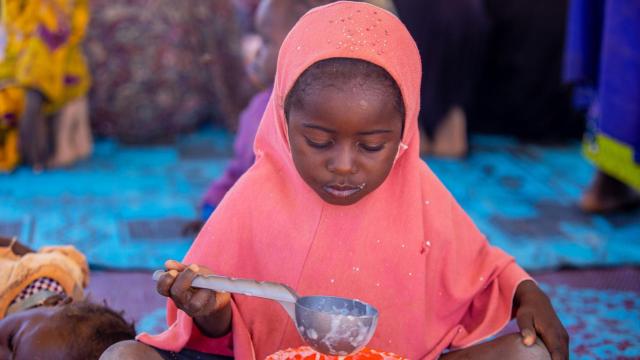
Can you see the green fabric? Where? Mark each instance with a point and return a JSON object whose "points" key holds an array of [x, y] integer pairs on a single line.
{"points": [[614, 158]]}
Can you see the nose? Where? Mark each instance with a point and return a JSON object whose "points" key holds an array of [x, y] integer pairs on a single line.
{"points": [[343, 161]]}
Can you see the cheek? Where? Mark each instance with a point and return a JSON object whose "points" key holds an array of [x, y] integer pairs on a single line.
{"points": [[379, 167], [307, 161]]}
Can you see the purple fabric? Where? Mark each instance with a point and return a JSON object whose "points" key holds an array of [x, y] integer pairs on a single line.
{"points": [[71, 80], [620, 74], [53, 39], [583, 38], [243, 148]]}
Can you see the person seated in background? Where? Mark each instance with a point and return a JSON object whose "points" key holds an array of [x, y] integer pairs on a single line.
{"points": [[44, 80], [451, 36], [273, 20], [43, 312], [611, 65]]}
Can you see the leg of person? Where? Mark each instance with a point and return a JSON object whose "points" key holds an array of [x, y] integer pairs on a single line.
{"points": [[35, 138], [450, 139], [608, 194], [84, 139], [63, 137], [505, 347], [450, 35], [131, 349]]}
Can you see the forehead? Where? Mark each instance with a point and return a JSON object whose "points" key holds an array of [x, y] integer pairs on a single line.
{"points": [[349, 105]]}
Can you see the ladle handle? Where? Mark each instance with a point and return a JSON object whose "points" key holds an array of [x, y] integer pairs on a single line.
{"points": [[281, 293]]}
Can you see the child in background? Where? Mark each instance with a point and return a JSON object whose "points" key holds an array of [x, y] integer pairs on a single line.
{"points": [[42, 312], [42, 73], [273, 20], [339, 203]]}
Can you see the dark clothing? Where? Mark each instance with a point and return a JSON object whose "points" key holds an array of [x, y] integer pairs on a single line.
{"points": [[521, 91], [450, 35], [187, 354]]}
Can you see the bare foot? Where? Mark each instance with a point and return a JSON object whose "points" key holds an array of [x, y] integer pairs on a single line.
{"points": [[450, 139], [84, 138], [73, 134], [64, 154], [607, 194]]}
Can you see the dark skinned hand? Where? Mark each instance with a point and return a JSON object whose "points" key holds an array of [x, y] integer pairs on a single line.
{"points": [[210, 310], [536, 317]]}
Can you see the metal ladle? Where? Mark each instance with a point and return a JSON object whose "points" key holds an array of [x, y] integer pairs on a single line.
{"points": [[330, 325]]}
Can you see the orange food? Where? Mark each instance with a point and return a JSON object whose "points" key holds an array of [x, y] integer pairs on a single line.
{"points": [[307, 353]]}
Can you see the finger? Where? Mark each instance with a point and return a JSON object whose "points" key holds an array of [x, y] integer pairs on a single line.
{"points": [[181, 290], [203, 302], [557, 342], [174, 265], [163, 286], [527, 328], [201, 270]]}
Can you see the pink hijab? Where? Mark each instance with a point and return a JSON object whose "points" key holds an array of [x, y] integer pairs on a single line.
{"points": [[407, 248]]}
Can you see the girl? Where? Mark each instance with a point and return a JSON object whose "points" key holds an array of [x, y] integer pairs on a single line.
{"points": [[339, 203]]}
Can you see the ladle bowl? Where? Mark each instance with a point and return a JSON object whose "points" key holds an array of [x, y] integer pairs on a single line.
{"points": [[334, 325], [330, 325]]}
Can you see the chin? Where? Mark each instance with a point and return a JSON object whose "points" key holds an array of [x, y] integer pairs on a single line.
{"points": [[340, 201]]}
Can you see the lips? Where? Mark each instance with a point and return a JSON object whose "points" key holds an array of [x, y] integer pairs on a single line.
{"points": [[343, 191]]}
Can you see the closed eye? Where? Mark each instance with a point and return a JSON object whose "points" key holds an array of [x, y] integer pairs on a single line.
{"points": [[318, 145], [372, 148]]}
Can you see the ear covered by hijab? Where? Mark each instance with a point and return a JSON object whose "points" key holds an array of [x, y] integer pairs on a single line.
{"points": [[407, 247]]}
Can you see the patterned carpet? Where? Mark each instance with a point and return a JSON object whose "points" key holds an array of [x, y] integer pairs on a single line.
{"points": [[125, 206]]}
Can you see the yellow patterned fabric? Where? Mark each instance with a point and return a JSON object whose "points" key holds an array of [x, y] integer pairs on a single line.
{"points": [[43, 53], [64, 264]]}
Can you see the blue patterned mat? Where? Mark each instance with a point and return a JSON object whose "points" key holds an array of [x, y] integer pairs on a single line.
{"points": [[523, 198], [126, 205]]}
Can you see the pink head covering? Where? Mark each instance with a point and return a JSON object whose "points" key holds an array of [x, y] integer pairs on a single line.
{"points": [[407, 247]]}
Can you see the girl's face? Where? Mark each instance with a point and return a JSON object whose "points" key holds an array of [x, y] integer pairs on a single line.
{"points": [[344, 139]]}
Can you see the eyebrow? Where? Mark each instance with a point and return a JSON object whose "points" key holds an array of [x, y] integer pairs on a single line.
{"points": [[330, 131]]}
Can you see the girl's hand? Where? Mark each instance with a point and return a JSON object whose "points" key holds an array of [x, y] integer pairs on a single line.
{"points": [[536, 317], [211, 310]]}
